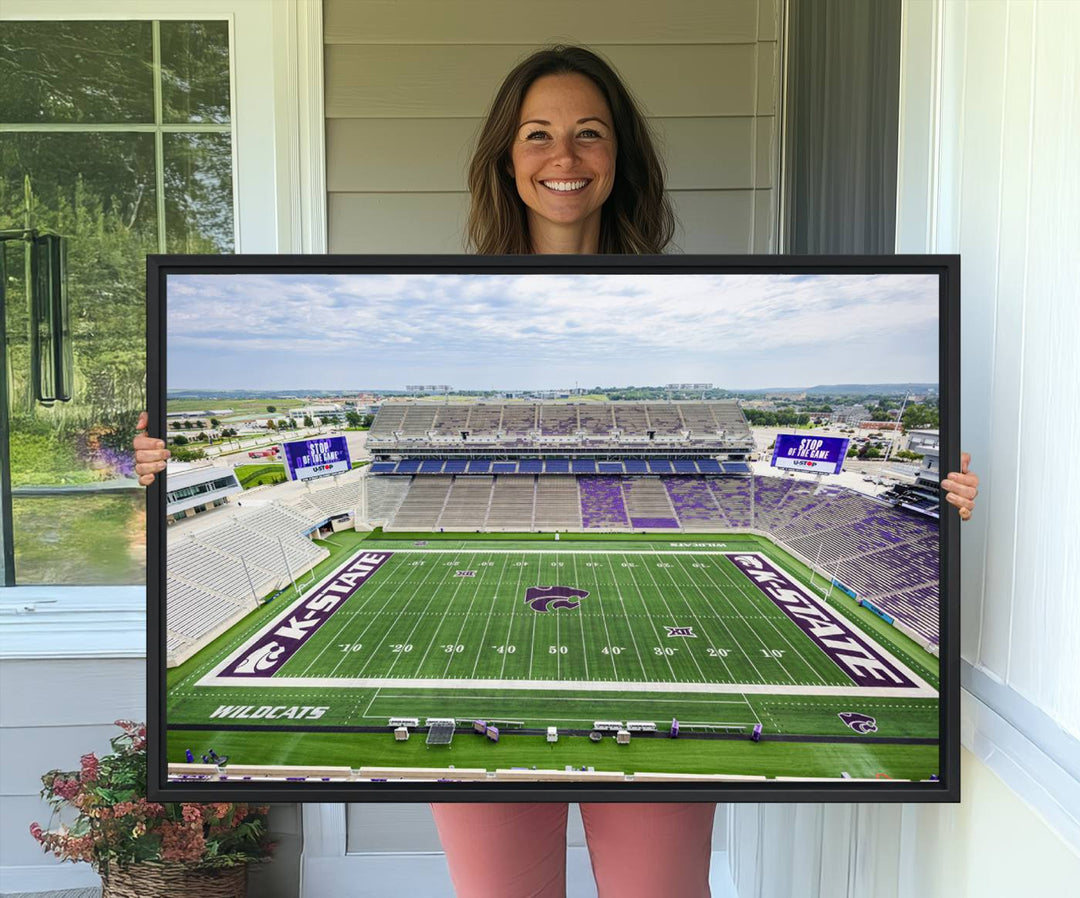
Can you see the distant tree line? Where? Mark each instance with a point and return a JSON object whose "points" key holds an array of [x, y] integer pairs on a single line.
{"points": [[785, 417]]}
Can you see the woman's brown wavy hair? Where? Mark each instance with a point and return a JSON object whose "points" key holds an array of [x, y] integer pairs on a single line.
{"points": [[637, 216]]}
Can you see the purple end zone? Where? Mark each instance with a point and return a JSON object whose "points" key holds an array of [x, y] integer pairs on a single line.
{"points": [[830, 633], [280, 643]]}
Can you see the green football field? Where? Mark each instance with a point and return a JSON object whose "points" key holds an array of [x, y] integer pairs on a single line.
{"points": [[646, 630]]}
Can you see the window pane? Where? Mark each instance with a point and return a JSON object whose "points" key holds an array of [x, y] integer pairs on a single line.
{"points": [[111, 174], [76, 72], [98, 191], [198, 193], [82, 539], [195, 72]]}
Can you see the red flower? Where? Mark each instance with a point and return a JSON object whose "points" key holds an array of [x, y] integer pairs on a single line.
{"points": [[113, 831], [181, 842], [89, 768], [150, 808], [66, 789]]}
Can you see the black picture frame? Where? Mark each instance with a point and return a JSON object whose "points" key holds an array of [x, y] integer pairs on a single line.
{"points": [[944, 789]]}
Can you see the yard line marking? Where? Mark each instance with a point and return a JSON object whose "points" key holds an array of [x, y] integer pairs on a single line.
{"points": [[347, 619], [656, 586], [659, 641], [753, 711], [738, 644], [465, 619], [510, 627], [768, 689], [629, 626], [420, 618], [581, 626], [532, 639], [704, 631], [421, 695], [446, 609], [490, 614], [416, 589], [369, 704], [558, 645], [745, 588], [603, 617]]}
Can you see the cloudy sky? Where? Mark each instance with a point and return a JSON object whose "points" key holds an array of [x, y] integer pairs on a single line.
{"points": [[541, 331]]}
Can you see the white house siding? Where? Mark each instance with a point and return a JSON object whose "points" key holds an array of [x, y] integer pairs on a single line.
{"points": [[408, 83], [53, 711]]}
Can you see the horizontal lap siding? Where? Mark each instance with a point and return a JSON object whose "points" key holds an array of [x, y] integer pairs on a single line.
{"points": [[82, 697], [479, 22], [408, 83]]}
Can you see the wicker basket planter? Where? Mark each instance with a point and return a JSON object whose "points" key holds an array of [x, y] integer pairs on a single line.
{"points": [[150, 880]]}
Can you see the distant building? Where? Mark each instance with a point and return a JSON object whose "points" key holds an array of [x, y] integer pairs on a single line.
{"points": [[850, 414], [927, 443], [924, 495], [322, 412], [194, 490], [206, 413]]}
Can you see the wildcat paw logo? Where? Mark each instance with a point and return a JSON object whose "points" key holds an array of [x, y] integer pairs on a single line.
{"points": [[860, 723], [551, 598], [262, 659]]}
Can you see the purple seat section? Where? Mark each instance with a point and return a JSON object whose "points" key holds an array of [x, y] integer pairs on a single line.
{"points": [[693, 501], [659, 523], [602, 503]]}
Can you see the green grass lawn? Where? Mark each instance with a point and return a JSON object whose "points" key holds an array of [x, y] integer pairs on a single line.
{"points": [[259, 474], [652, 755]]}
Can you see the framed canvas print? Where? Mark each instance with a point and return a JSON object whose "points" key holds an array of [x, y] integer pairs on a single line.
{"points": [[554, 528]]}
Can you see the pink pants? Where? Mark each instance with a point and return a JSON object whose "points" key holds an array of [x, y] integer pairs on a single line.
{"points": [[519, 850]]}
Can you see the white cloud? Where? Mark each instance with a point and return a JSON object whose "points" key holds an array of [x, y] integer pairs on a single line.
{"points": [[630, 325]]}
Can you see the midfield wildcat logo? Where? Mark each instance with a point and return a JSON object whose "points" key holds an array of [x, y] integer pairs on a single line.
{"points": [[549, 598], [860, 723]]}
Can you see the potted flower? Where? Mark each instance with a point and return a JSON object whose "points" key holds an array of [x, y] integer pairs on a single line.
{"points": [[142, 848]]}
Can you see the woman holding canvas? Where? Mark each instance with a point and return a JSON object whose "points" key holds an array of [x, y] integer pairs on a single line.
{"points": [[565, 164]]}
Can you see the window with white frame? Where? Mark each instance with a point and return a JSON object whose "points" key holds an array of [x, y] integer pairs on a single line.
{"points": [[117, 136]]}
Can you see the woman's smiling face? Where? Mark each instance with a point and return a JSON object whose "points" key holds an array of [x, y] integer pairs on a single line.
{"points": [[563, 155]]}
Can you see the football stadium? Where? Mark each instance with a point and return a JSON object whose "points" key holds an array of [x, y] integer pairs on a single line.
{"points": [[545, 590]]}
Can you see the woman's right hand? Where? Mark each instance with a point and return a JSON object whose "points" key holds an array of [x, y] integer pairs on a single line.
{"points": [[150, 453]]}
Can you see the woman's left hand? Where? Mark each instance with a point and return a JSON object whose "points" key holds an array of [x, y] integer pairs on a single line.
{"points": [[961, 487]]}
